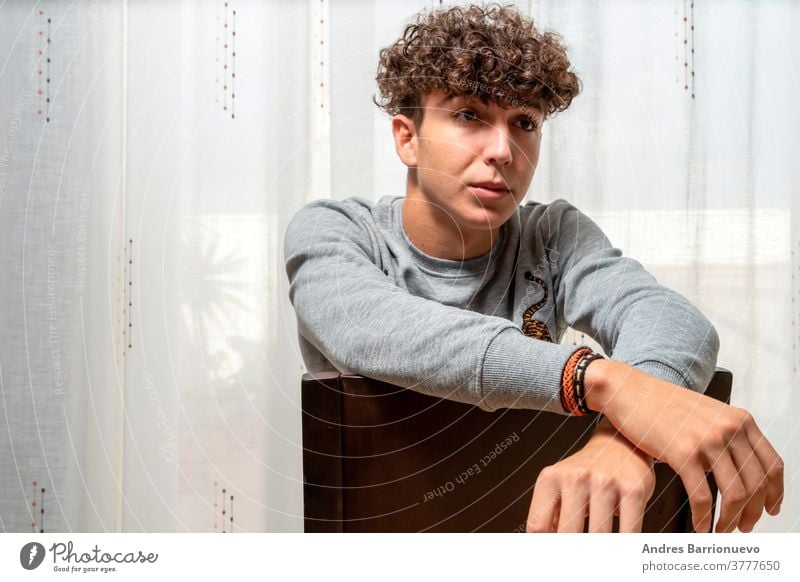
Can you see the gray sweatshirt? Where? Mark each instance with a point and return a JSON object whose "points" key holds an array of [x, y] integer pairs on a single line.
{"points": [[482, 331]]}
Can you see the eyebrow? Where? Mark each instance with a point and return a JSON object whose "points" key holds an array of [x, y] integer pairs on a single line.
{"points": [[464, 97], [474, 98]]}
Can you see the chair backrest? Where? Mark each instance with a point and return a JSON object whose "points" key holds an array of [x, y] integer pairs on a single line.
{"points": [[380, 458]]}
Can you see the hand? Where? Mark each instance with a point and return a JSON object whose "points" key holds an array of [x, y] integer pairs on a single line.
{"points": [[693, 434], [607, 477]]}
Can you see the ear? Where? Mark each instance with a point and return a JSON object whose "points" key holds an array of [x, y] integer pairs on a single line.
{"points": [[404, 131]]}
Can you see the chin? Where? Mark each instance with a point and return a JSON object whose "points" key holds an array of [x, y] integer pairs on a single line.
{"points": [[490, 217]]}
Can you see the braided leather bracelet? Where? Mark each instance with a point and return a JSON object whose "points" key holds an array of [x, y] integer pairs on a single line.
{"points": [[568, 382], [573, 397]]}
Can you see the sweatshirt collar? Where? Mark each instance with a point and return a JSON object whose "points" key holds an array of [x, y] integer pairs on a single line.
{"points": [[445, 267]]}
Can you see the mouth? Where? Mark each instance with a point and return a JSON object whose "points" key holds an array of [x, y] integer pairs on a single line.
{"points": [[490, 190]]}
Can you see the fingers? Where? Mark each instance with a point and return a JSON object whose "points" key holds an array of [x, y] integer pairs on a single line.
{"points": [[758, 482], [749, 474], [631, 511], [755, 484], [761, 471], [772, 464], [694, 480], [733, 492], [601, 511], [574, 504], [555, 508], [569, 514], [545, 505]]}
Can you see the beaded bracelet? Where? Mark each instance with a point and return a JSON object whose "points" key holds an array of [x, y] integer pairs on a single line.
{"points": [[580, 372]]}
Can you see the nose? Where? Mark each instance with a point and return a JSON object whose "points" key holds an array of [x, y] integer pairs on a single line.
{"points": [[498, 150]]}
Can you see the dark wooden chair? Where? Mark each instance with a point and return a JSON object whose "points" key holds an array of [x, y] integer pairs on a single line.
{"points": [[380, 458]]}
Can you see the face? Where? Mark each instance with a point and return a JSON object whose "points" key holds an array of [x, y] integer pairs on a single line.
{"points": [[473, 160]]}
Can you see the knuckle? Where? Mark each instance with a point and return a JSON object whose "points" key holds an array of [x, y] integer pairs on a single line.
{"points": [[702, 498], [728, 430], [685, 451], [547, 475], [578, 476], [746, 419], [776, 470], [740, 418], [602, 482], [736, 494], [634, 492], [718, 440], [731, 423]]}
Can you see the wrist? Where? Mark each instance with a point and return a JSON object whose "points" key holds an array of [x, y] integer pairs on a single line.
{"points": [[604, 429], [597, 384], [606, 435], [604, 425]]}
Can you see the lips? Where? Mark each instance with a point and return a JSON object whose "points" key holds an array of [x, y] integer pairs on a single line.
{"points": [[490, 190], [498, 186]]}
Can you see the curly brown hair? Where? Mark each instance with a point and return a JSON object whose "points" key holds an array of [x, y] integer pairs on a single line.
{"points": [[491, 52]]}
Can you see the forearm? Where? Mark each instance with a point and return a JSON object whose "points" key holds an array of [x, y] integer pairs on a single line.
{"points": [[648, 326], [635, 319]]}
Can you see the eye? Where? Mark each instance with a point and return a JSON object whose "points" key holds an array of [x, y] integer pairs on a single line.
{"points": [[465, 115], [528, 124]]}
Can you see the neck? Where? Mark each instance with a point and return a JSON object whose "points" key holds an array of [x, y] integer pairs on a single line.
{"points": [[436, 234]]}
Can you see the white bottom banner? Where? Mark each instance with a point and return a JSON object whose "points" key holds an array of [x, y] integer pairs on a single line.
{"points": [[400, 557]]}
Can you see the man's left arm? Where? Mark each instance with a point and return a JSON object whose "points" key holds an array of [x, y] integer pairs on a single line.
{"points": [[637, 321], [660, 345]]}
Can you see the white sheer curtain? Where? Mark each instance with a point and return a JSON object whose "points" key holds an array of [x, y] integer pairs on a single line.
{"points": [[217, 160], [61, 388], [148, 377], [148, 356]]}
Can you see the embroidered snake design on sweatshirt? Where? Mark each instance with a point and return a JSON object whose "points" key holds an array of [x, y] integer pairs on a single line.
{"points": [[531, 327]]}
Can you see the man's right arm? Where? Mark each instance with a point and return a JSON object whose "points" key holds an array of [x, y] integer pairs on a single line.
{"points": [[365, 324]]}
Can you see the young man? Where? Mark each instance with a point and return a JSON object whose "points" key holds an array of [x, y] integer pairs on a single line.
{"points": [[459, 291]]}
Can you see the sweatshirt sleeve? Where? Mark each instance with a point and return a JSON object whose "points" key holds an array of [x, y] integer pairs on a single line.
{"points": [[616, 301], [364, 324]]}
